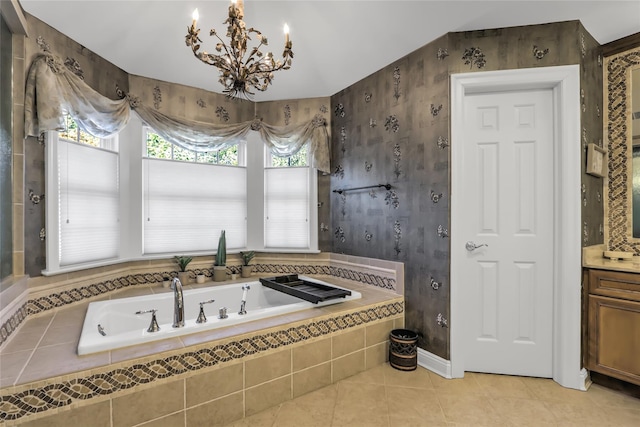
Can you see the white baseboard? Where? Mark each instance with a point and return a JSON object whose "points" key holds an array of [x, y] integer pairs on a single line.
{"points": [[435, 364], [585, 380], [442, 367]]}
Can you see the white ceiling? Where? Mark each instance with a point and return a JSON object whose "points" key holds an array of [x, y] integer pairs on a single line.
{"points": [[336, 43]]}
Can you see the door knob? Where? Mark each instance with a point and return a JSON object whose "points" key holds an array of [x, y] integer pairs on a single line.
{"points": [[471, 246]]}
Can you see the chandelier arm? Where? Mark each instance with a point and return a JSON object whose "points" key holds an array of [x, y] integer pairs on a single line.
{"points": [[215, 60], [194, 42], [254, 51], [274, 66], [224, 45]]}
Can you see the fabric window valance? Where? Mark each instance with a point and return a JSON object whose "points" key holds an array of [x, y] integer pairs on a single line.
{"points": [[53, 91]]}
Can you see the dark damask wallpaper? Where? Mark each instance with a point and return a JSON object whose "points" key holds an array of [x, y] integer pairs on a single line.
{"points": [[393, 127]]}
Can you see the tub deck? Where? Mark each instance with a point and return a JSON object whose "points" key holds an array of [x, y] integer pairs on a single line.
{"points": [[45, 345], [122, 326]]}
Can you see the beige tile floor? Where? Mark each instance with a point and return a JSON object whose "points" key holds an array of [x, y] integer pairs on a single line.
{"points": [[384, 396]]}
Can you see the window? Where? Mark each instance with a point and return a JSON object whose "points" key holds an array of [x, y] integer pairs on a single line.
{"points": [[287, 196], [286, 205], [158, 148], [188, 202], [298, 159], [86, 198], [142, 198], [73, 133]]}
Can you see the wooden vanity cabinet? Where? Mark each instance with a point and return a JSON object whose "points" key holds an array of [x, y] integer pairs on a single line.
{"points": [[614, 324]]}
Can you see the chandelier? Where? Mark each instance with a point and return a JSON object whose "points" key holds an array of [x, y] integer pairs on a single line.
{"points": [[238, 74]]}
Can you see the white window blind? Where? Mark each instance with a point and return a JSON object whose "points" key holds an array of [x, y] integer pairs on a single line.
{"points": [[88, 201], [186, 205], [286, 208]]}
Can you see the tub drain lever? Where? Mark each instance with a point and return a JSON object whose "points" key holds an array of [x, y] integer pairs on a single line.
{"points": [[201, 317], [101, 330], [153, 327]]}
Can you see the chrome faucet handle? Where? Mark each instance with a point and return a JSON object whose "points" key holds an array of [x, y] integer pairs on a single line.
{"points": [[153, 327], [222, 313], [242, 311], [201, 317], [243, 303]]}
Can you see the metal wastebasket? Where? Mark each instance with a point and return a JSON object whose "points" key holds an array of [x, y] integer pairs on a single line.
{"points": [[403, 349]]}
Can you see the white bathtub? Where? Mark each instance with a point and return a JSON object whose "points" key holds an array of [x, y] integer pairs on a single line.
{"points": [[122, 327]]}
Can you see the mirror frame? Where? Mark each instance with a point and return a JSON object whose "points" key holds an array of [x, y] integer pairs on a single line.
{"points": [[618, 183]]}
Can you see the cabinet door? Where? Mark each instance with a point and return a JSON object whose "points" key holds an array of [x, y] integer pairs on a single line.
{"points": [[614, 338]]}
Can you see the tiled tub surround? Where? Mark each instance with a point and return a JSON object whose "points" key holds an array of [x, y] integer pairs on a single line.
{"points": [[47, 293], [342, 339]]}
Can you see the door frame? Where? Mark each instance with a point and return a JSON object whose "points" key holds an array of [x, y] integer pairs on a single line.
{"points": [[564, 81]]}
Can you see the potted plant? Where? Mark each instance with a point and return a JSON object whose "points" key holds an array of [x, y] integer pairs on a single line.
{"points": [[220, 266], [246, 259], [183, 274]]}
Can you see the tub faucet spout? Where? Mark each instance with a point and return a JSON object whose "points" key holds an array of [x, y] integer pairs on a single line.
{"points": [[178, 303]]}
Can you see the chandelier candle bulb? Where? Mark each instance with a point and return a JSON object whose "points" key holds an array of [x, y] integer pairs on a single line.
{"points": [[286, 33], [195, 17], [238, 5]]}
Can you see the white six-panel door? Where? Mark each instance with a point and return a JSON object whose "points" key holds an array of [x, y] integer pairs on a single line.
{"points": [[507, 196]]}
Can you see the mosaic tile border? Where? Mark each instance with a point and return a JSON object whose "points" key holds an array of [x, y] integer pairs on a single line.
{"points": [[60, 299], [12, 324], [619, 227], [342, 273], [55, 395]]}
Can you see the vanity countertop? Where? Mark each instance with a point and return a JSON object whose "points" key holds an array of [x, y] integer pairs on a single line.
{"points": [[592, 257]]}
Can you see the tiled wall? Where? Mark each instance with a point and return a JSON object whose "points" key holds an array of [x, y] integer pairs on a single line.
{"points": [[19, 156], [393, 127], [230, 391], [6, 150]]}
